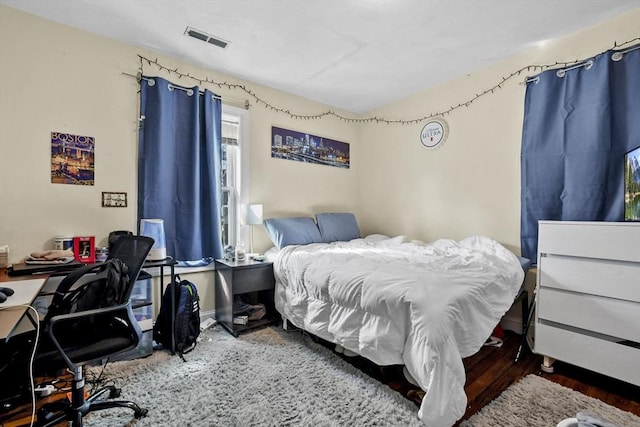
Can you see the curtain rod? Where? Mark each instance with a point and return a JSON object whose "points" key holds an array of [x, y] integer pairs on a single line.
{"points": [[235, 102], [615, 56], [587, 66]]}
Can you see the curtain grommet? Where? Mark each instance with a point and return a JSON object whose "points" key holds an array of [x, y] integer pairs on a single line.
{"points": [[617, 56]]}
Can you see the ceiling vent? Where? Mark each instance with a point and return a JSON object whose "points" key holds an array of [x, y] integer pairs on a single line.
{"points": [[207, 38]]}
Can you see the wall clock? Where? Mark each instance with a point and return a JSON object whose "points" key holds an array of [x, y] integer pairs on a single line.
{"points": [[434, 133]]}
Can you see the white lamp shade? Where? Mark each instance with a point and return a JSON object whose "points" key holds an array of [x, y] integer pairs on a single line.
{"points": [[254, 215], [154, 228]]}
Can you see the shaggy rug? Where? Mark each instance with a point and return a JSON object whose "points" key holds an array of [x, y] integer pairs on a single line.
{"points": [[271, 377], [268, 377], [535, 401]]}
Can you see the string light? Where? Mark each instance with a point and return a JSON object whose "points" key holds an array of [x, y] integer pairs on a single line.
{"points": [[375, 119]]}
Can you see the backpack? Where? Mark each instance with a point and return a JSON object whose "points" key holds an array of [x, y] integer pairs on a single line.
{"points": [[105, 288], [100, 285], [187, 317]]}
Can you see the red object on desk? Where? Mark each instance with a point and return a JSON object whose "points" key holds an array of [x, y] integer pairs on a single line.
{"points": [[84, 249]]}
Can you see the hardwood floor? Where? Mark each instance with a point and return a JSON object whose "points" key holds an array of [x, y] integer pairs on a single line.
{"points": [[492, 370], [21, 415], [489, 373]]}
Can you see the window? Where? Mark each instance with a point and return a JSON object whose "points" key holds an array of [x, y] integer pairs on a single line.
{"points": [[231, 174]]}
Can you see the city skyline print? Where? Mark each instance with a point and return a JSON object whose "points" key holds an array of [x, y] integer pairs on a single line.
{"points": [[72, 159], [632, 185], [303, 147]]}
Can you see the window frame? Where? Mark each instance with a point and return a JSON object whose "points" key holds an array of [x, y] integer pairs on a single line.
{"points": [[240, 196]]}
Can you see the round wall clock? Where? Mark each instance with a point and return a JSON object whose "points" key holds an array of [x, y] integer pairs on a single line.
{"points": [[434, 133]]}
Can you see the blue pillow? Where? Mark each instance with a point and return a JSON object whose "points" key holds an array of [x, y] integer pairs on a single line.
{"points": [[337, 227], [292, 231]]}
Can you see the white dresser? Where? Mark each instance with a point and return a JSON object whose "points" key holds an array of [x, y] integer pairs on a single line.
{"points": [[588, 296]]}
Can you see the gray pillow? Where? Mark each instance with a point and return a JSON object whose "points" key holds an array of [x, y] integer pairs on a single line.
{"points": [[292, 231], [337, 227]]}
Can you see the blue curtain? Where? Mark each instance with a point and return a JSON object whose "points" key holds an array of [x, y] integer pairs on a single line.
{"points": [[576, 130], [179, 159]]}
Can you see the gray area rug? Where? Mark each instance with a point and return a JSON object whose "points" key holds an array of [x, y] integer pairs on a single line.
{"points": [[535, 401], [271, 377], [268, 377]]}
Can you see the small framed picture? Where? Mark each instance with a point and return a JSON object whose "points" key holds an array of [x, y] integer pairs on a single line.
{"points": [[112, 199]]}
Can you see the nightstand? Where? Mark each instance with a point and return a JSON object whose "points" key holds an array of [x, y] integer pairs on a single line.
{"points": [[254, 281]]}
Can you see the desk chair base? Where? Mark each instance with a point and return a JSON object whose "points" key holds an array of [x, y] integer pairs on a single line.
{"points": [[54, 413]]}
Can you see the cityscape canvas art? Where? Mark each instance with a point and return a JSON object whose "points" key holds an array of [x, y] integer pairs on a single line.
{"points": [[72, 159], [632, 185], [304, 147]]}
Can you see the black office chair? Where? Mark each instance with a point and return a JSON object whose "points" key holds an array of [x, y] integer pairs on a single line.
{"points": [[90, 319]]}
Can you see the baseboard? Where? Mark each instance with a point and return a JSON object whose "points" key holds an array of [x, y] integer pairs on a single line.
{"points": [[514, 324], [207, 314]]}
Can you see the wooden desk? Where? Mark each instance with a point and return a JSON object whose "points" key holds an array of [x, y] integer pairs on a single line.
{"points": [[14, 308], [4, 277], [20, 270]]}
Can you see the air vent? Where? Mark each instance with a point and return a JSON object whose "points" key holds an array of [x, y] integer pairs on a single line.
{"points": [[207, 38]]}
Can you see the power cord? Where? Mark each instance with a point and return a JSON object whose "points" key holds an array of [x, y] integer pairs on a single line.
{"points": [[98, 381], [60, 385], [33, 356]]}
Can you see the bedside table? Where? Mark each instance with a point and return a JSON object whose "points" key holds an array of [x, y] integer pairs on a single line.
{"points": [[255, 281]]}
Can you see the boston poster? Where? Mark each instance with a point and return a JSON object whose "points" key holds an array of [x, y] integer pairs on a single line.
{"points": [[72, 158]]}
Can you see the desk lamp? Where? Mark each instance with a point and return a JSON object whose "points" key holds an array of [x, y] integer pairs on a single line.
{"points": [[254, 217], [154, 228]]}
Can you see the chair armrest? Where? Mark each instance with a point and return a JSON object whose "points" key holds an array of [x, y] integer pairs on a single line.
{"points": [[87, 313], [60, 320]]}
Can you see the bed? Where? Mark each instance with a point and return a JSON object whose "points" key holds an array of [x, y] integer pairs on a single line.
{"points": [[395, 301]]}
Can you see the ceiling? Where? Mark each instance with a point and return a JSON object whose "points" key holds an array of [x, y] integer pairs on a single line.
{"points": [[355, 55]]}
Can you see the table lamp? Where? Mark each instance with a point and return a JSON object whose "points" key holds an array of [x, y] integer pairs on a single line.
{"points": [[254, 217], [154, 228]]}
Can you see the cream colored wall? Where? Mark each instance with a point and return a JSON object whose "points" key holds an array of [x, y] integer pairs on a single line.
{"points": [[472, 184], [56, 78], [288, 188]]}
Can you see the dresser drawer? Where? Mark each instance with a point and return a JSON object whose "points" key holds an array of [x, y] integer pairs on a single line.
{"points": [[615, 279], [606, 357], [602, 240], [616, 318]]}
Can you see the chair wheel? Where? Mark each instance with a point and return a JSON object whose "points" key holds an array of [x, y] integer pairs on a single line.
{"points": [[45, 415], [140, 413]]}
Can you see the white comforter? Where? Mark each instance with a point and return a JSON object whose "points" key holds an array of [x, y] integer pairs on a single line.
{"points": [[397, 302]]}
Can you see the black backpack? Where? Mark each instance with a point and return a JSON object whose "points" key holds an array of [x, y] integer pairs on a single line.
{"points": [[187, 317], [104, 286], [101, 285]]}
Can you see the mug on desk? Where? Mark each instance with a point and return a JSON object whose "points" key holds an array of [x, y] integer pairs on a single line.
{"points": [[62, 243], [102, 254], [4, 256]]}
